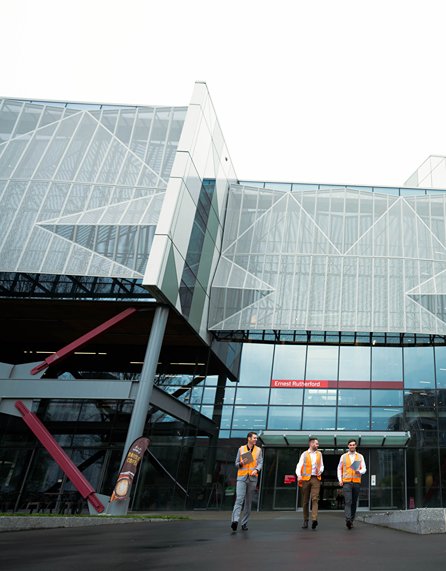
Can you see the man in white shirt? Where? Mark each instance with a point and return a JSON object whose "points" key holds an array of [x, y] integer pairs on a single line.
{"points": [[308, 471], [350, 469]]}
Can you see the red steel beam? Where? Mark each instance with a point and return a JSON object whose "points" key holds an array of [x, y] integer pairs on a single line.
{"points": [[81, 341], [59, 455]]}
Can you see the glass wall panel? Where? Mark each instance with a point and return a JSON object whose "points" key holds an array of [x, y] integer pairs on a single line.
{"points": [[285, 418], [423, 483], [207, 410], [289, 362], [196, 395], [387, 398], [387, 418], [441, 408], [320, 396], [322, 363], [388, 467], [226, 417], [440, 366], [319, 418], [353, 418], [252, 396], [211, 380], [249, 418], [353, 397], [443, 473], [62, 411], [419, 411], [209, 395], [387, 364], [354, 364], [286, 396], [229, 395], [13, 465], [256, 364], [419, 367]]}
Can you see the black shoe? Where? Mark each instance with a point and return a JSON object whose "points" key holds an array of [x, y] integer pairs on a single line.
{"points": [[314, 524], [244, 527], [234, 525], [305, 524], [349, 524]]}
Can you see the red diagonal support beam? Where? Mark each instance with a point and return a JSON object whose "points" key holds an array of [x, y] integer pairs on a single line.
{"points": [[81, 341], [69, 468]]}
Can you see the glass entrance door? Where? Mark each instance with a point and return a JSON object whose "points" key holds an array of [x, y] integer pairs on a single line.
{"points": [[331, 497], [387, 479], [279, 487], [382, 487]]}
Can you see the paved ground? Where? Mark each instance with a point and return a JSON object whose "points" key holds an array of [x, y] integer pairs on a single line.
{"points": [[274, 541]]}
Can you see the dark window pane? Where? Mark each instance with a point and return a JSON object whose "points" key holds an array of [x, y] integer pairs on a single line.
{"points": [[419, 367]]}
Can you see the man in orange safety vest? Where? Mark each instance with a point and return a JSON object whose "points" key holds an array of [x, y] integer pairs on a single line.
{"points": [[249, 462], [350, 469], [309, 470]]}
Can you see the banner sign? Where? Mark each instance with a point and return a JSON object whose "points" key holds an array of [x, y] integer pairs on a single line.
{"points": [[128, 470], [324, 384], [298, 384]]}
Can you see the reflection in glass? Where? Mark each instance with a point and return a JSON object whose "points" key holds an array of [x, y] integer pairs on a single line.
{"points": [[357, 418], [252, 396], [353, 397], [195, 395], [284, 417], [387, 398], [320, 396], [322, 363], [229, 395], [354, 364], [286, 396], [419, 367], [249, 418], [211, 380], [65, 410], [419, 410], [207, 411], [209, 395], [255, 368], [226, 417], [289, 362], [319, 418], [387, 364], [440, 366], [387, 418]]}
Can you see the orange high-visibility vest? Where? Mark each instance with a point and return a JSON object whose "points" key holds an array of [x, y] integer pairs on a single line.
{"points": [[306, 466], [349, 475], [246, 469]]}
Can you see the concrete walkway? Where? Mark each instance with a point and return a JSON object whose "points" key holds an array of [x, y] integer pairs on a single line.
{"points": [[274, 541]]}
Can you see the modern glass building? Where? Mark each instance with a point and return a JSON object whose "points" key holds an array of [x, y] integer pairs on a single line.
{"points": [[146, 290]]}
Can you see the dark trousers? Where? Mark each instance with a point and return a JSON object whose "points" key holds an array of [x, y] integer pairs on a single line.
{"points": [[351, 495]]}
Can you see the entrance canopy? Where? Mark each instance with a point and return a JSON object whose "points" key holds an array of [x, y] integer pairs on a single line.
{"points": [[333, 439]]}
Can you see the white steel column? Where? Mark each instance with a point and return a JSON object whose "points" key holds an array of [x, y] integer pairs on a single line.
{"points": [[145, 387]]}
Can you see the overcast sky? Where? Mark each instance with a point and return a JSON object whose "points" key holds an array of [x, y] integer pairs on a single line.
{"points": [[332, 91]]}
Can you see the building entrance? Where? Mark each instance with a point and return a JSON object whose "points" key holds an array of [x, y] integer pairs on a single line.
{"points": [[382, 487]]}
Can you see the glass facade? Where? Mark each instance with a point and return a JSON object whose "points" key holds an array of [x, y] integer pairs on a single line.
{"points": [[370, 405], [81, 186], [333, 294], [331, 259]]}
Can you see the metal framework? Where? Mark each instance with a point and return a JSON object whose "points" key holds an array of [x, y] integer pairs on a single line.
{"points": [[34, 286]]}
